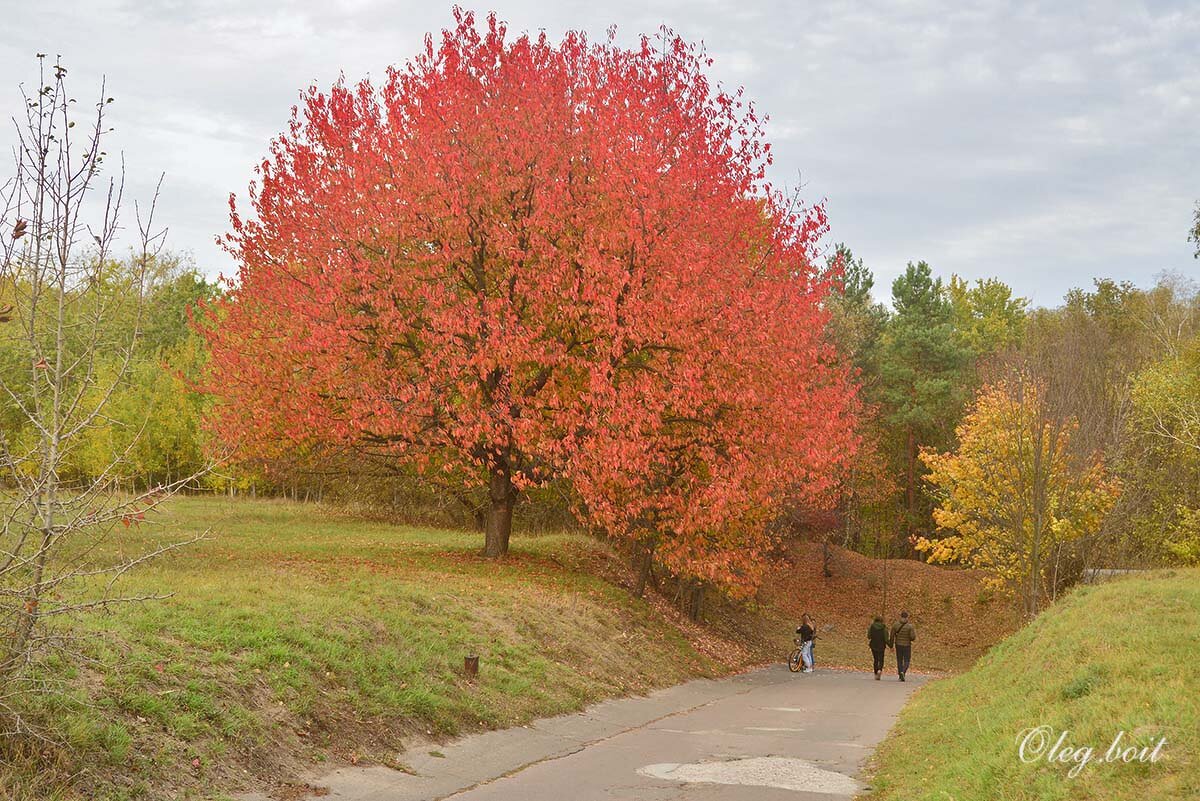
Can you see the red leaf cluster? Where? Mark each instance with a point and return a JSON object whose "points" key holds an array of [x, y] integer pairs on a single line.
{"points": [[555, 260]]}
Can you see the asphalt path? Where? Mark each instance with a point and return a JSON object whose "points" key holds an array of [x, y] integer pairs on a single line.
{"points": [[766, 735]]}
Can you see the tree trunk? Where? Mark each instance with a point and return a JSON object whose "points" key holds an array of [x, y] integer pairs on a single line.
{"points": [[502, 497], [883, 567], [645, 565], [697, 606], [910, 488]]}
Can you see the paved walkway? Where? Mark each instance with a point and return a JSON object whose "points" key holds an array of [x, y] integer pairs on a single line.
{"points": [[768, 735]]}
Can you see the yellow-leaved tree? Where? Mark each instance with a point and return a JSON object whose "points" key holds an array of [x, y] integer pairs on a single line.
{"points": [[1014, 497], [1165, 425]]}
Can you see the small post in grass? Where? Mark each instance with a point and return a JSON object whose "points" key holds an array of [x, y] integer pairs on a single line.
{"points": [[471, 666]]}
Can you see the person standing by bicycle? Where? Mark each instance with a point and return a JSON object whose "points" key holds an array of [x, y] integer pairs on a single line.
{"points": [[808, 634]]}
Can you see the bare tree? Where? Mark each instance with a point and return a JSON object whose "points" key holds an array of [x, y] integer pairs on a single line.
{"points": [[73, 320]]}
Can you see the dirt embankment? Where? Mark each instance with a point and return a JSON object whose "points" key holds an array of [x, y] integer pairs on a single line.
{"points": [[956, 616]]}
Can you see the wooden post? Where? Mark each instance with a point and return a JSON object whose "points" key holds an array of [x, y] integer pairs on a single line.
{"points": [[471, 666]]}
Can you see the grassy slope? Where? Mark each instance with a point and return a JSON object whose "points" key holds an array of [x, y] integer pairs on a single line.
{"points": [[296, 635], [1120, 656]]}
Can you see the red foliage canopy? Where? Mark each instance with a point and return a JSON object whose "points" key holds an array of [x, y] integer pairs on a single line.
{"points": [[522, 260]]}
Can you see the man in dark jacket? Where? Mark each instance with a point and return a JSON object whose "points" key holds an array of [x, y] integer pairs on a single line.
{"points": [[877, 638], [903, 636]]}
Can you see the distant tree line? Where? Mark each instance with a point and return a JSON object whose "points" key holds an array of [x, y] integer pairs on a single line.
{"points": [[1074, 427], [150, 432]]}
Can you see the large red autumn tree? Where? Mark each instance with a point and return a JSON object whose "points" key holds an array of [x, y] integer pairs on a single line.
{"points": [[519, 260]]}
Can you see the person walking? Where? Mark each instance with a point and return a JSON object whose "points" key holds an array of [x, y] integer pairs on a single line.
{"points": [[902, 637], [808, 633], [877, 639]]}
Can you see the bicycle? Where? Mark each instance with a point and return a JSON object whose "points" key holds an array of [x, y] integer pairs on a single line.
{"points": [[795, 660]]}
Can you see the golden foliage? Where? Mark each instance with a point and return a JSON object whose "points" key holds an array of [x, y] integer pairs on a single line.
{"points": [[1014, 494]]}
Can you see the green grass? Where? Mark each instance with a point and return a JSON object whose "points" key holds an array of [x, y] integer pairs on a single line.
{"points": [[296, 635], [1121, 656]]}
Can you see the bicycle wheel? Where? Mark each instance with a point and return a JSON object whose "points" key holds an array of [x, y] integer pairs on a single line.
{"points": [[794, 663]]}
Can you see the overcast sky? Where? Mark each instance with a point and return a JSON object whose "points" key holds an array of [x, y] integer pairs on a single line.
{"points": [[1042, 143]]}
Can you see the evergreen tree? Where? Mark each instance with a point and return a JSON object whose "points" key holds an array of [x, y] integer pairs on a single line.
{"points": [[856, 319], [924, 381]]}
